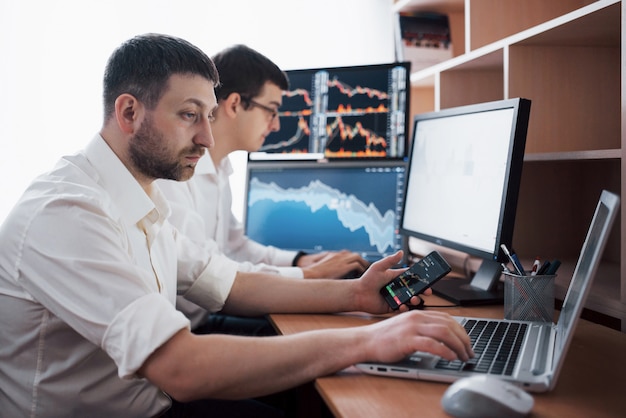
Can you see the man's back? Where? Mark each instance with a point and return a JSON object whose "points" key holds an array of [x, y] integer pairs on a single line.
{"points": [[62, 315]]}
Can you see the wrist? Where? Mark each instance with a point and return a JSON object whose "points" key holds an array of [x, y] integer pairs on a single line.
{"points": [[297, 258]]}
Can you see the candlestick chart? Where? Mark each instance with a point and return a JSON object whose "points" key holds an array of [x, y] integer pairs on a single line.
{"points": [[349, 112]]}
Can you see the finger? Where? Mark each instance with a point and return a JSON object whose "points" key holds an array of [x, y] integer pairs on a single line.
{"points": [[363, 263], [415, 301], [439, 348], [445, 329], [324, 255], [449, 343], [401, 309], [389, 261], [359, 264]]}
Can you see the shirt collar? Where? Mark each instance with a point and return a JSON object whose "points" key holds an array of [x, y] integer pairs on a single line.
{"points": [[206, 166], [125, 191]]}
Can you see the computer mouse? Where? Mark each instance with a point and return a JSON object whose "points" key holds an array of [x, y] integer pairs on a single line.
{"points": [[486, 396]]}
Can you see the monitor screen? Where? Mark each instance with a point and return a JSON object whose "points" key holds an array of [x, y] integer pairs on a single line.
{"points": [[342, 113], [315, 207], [463, 179]]}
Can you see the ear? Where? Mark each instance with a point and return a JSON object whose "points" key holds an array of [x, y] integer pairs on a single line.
{"points": [[230, 104], [129, 113]]}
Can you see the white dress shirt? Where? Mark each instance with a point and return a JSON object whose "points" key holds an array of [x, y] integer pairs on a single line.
{"points": [[89, 272], [201, 209]]}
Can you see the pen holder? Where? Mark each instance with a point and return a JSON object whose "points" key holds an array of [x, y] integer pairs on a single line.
{"points": [[529, 298]]}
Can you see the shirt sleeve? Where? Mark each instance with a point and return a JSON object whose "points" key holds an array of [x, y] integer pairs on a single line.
{"points": [[293, 272], [145, 325], [204, 277]]}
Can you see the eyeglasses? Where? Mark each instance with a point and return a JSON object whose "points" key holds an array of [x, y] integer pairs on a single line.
{"points": [[273, 112]]}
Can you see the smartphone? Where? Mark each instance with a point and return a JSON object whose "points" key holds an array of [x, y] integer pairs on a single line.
{"points": [[415, 280]]}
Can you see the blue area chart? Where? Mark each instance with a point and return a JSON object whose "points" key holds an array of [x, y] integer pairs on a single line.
{"points": [[315, 214]]}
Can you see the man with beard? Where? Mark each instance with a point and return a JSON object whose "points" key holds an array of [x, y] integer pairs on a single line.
{"points": [[90, 268]]}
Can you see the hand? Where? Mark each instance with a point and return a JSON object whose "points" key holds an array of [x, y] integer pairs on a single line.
{"points": [[368, 296], [332, 265], [430, 331]]}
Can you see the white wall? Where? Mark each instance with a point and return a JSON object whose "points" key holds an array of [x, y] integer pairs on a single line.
{"points": [[53, 54]]}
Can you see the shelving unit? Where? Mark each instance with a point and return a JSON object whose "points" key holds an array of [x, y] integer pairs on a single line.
{"points": [[567, 57]]}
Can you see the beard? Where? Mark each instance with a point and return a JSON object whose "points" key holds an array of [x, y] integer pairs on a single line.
{"points": [[152, 158]]}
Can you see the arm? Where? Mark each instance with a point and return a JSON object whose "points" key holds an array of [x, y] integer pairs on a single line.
{"points": [[256, 294], [334, 265], [230, 367]]}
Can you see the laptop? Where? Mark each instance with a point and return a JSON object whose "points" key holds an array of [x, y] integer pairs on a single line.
{"points": [[535, 359]]}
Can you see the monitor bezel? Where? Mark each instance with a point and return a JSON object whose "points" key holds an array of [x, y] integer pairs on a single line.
{"points": [[509, 198]]}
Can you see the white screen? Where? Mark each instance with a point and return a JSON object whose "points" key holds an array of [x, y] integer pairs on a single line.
{"points": [[457, 177]]}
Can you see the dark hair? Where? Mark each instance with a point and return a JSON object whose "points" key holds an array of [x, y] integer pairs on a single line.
{"points": [[244, 70], [143, 65]]}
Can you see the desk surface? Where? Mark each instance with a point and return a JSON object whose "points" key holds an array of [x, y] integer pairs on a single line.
{"points": [[583, 389]]}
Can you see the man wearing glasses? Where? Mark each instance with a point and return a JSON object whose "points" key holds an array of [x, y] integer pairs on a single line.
{"points": [[249, 96]]}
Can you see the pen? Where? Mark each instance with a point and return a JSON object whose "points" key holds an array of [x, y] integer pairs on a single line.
{"points": [[519, 269], [544, 267], [554, 266], [536, 266]]}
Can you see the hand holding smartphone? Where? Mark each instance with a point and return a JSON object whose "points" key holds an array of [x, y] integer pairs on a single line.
{"points": [[415, 280]]}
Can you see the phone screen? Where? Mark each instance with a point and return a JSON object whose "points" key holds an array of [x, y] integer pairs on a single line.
{"points": [[415, 280]]}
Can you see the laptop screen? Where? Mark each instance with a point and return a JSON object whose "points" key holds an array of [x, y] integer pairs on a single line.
{"points": [[585, 269], [315, 207]]}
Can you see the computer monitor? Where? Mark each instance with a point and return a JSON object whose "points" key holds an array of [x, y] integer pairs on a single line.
{"points": [[342, 113], [313, 207], [462, 187]]}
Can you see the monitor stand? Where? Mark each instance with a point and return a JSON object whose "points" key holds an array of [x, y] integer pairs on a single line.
{"points": [[482, 289]]}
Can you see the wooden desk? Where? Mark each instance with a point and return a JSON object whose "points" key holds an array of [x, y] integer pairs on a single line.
{"points": [[583, 389]]}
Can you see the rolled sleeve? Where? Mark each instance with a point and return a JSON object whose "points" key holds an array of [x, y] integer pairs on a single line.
{"points": [[212, 287], [293, 272], [139, 329]]}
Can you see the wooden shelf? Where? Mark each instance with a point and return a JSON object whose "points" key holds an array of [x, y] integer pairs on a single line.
{"points": [[595, 25], [604, 290], [568, 58], [605, 154], [440, 6]]}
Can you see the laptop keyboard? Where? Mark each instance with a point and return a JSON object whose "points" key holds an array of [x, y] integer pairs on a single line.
{"points": [[496, 347]]}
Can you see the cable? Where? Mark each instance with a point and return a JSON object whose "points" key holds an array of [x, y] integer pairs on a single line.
{"points": [[441, 306]]}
